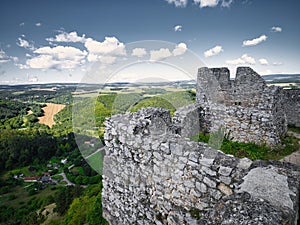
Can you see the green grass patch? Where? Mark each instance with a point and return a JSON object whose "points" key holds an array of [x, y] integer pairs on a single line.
{"points": [[57, 177], [19, 196], [156, 102], [253, 151], [77, 170], [294, 129]]}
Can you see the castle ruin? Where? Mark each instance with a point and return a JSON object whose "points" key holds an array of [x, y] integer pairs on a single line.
{"points": [[154, 174], [248, 109]]}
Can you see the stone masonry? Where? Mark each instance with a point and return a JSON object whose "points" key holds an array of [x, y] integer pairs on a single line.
{"points": [[292, 106], [152, 175], [248, 109]]}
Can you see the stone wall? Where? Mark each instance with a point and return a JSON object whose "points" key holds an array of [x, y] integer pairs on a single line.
{"points": [[248, 109], [292, 106], [153, 175]]}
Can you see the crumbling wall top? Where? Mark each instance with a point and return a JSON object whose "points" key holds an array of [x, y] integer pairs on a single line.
{"points": [[246, 75]]}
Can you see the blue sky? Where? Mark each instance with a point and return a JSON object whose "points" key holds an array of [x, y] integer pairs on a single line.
{"points": [[58, 41]]}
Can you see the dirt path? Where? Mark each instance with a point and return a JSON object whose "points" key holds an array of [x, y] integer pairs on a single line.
{"points": [[49, 111], [295, 157]]}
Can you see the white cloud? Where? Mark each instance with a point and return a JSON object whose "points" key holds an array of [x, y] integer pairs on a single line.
{"points": [[227, 3], [255, 41], [276, 29], [156, 55], [139, 52], [180, 49], [59, 57], [248, 59], [38, 24], [68, 37], [3, 57], [22, 24], [263, 62], [213, 3], [177, 28], [107, 59], [213, 51], [207, 3], [235, 61], [178, 3], [245, 59], [22, 66], [61, 52], [111, 45], [92, 57], [25, 44]]}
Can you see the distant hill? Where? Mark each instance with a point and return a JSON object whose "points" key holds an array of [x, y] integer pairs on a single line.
{"points": [[282, 78]]}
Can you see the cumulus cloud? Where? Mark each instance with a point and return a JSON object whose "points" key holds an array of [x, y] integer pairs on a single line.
{"points": [[110, 45], [38, 24], [22, 24], [177, 28], [67, 37], [160, 54], [178, 3], [255, 41], [59, 57], [207, 3], [179, 49], [139, 52], [25, 44], [245, 59], [213, 51], [276, 29], [263, 62], [213, 3]]}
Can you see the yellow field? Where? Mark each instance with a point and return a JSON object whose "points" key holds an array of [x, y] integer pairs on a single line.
{"points": [[49, 111]]}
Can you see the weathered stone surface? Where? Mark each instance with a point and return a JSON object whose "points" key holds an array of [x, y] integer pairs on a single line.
{"points": [[267, 183], [292, 106], [225, 189], [225, 171], [248, 109]]}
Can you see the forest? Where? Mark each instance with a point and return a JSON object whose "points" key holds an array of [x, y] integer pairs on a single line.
{"points": [[29, 149]]}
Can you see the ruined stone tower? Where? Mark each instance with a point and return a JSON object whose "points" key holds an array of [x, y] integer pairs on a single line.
{"points": [[248, 109]]}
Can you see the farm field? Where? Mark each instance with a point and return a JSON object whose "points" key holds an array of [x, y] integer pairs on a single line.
{"points": [[49, 111]]}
